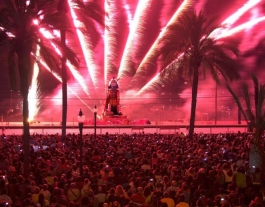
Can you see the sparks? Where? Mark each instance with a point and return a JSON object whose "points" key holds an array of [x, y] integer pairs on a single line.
{"points": [[135, 31], [33, 98], [85, 43]]}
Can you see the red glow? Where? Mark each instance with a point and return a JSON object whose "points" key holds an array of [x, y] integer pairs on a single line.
{"points": [[120, 52]]}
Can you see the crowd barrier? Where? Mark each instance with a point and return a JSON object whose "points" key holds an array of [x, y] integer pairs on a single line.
{"points": [[102, 129]]}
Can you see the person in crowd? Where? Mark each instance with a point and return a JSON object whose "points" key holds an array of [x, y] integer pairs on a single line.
{"points": [[46, 193], [73, 193], [181, 202], [256, 179], [121, 196], [228, 173], [240, 178], [100, 196], [148, 193], [173, 187], [4, 198], [35, 195], [209, 170], [86, 187], [42, 202], [138, 196], [168, 200]]}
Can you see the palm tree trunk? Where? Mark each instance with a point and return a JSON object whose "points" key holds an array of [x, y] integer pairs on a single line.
{"points": [[26, 135], [194, 92], [256, 155], [64, 87], [24, 62]]}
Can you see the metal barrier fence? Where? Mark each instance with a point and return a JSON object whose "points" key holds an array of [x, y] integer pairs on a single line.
{"points": [[129, 129]]}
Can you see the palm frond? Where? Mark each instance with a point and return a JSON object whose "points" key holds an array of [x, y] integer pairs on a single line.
{"points": [[49, 56], [12, 67], [88, 12]]}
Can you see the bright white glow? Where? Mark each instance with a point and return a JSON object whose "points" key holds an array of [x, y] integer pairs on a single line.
{"points": [[78, 77], [129, 15], [235, 16], [154, 46], [8, 33], [142, 9], [227, 23], [85, 43], [110, 40], [106, 45], [241, 27], [33, 90], [223, 32], [143, 89], [35, 21], [60, 79], [162, 33]]}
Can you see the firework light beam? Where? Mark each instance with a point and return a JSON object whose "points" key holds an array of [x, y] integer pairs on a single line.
{"points": [[235, 16], [223, 32], [230, 32], [73, 70], [110, 39], [238, 23], [106, 39], [33, 103], [148, 85], [91, 109], [228, 22], [161, 34], [157, 77], [33, 90], [129, 15], [60, 79], [141, 10], [78, 77], [85, 43], [241, 27]]}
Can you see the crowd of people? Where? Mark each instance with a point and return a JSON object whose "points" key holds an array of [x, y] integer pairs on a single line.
{"points": [[132, 170]]}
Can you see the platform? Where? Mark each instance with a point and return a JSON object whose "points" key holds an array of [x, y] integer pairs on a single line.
{"points": [[116, 119]]}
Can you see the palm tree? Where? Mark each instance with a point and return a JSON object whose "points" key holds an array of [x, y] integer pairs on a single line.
{"points": [[87, 13], [20, 36], [62, 8], [254, 114], [188, 50]]}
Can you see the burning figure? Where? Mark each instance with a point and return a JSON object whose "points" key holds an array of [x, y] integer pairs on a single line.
{"points": [[113, 98]]}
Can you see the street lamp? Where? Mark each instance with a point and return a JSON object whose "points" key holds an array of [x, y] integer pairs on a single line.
{"points": [[215, 118], [81, 119], [95, 110]]}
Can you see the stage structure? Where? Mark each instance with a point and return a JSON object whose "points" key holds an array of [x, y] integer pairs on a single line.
{"points": [[112, 107]]}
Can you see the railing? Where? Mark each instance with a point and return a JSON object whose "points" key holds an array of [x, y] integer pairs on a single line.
{"points": [[165, 128]]}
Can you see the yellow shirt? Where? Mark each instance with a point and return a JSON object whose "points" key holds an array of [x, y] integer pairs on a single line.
{"points": [[50, 180], [73, 194], [35, 197], [170, 202], [148, 199]]}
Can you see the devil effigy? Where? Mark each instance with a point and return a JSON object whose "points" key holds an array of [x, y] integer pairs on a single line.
{"points": [[112, 104]]}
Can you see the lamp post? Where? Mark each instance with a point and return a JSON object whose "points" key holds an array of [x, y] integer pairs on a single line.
{"points": [[215, 118], [81, 119], [95, 110]]}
